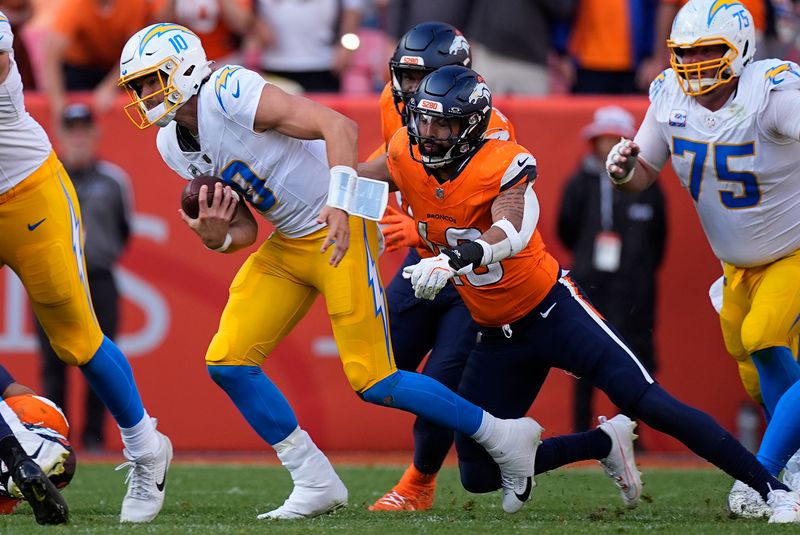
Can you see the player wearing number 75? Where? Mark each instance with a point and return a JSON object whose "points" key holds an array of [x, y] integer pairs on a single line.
{"points": [[291, 159], [731, 126]]}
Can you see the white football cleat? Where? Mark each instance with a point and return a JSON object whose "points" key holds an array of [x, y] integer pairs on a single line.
{"points": [[308, 502], [785, 506], [147, 481], [620, 465], [746, 502], [317, 488], [791, 474], [516, 456]]}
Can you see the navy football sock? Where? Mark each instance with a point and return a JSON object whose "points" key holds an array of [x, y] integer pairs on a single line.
{"points": [[258, 399], [565, 449], [704, 436]]}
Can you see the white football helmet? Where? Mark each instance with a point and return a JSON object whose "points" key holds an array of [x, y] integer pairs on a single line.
{"points": [[176, 55], [709, 23]]}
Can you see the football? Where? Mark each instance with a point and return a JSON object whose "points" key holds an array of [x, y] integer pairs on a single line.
{"points": [[190, 197], [37, 410]]}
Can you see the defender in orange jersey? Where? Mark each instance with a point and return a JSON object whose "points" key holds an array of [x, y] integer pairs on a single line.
{"points": [[440, 328], [474, 204]]}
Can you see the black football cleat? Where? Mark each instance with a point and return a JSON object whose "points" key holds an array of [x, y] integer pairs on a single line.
{"points": [[49, 506]]}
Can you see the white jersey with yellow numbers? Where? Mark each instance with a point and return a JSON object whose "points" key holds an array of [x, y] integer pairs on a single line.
{"points": [[285, 179], [742, 172], [24, 145]]}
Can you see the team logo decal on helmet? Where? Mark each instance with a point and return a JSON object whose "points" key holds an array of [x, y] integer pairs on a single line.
{"points": [[481, 91], [459, 44], [173, 54]]}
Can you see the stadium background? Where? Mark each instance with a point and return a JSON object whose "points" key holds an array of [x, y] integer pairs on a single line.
{"points": [[174, 291]]}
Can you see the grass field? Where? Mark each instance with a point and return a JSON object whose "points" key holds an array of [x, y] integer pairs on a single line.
{"points": [[225, 498]]}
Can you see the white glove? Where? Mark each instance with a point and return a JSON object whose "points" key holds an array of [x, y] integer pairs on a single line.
{"points": [[429, 275], [625, 162]]}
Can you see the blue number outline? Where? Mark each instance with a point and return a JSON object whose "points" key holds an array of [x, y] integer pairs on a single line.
{"points": [[253, 186], [722, 153]]}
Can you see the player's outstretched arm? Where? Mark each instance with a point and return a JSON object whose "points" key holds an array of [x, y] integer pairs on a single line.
{"points": [[377, 169]]}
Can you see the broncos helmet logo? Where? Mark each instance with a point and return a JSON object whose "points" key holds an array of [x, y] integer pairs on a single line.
{"points": [[459, 43], [481, 91], [719, 5]]}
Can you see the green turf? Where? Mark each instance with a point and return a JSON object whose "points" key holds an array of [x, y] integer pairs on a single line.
{"points": [[226, 498]]}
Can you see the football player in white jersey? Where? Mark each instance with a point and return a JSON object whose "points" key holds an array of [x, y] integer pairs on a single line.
{"points": [[731, 126], [41, 241], [289, 158]]}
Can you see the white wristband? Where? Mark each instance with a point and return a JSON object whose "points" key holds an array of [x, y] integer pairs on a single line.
{"points": [[225, 244], [341, 187]]}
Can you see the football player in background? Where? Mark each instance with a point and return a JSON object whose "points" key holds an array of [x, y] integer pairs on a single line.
{"points": [[41, 241], [40, 430], [731, 127], [442, 326], [476, 202], [290, 158]]}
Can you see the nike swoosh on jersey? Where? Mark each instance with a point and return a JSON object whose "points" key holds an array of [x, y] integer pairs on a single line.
{"points": [[33, 226], [522, 162], [547, 312], [35, 454]]}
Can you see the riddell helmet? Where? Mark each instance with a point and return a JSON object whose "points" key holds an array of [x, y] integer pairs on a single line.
{"points": [[426, 47], [453, 92], [177, 56], [708, 23]]}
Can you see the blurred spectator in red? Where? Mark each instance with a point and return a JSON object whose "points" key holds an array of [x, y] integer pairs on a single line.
{"points": [[667, 9], [83, 47], [18, 13], [310, 42], [607, 42], [511, 42], [220, 24]]}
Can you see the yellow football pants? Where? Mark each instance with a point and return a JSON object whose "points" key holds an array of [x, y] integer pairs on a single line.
{"points": [[278, 283], [41, 239], [760, 309]]}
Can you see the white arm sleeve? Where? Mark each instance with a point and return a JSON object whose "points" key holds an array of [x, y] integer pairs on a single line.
{"points": [[781, 117], [515, 240], [654, 149]]}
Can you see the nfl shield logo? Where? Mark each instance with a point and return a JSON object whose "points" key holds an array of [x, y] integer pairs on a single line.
{"points": [[440, 193]]}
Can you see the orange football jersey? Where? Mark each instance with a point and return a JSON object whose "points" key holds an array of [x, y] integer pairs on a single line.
{"points": [[461, 209]]}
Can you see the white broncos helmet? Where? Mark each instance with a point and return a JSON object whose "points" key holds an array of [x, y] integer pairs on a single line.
{"points": [[176, 55], [709, 23]]}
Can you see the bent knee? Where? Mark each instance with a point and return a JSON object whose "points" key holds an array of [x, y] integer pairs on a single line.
{"points": [[74, 346], [223, 352]]}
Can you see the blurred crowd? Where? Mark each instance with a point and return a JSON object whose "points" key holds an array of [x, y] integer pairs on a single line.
{"points": [[530, 47]]}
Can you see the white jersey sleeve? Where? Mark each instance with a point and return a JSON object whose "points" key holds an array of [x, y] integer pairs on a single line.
{"points": [[24, 145], [238, 92]]}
